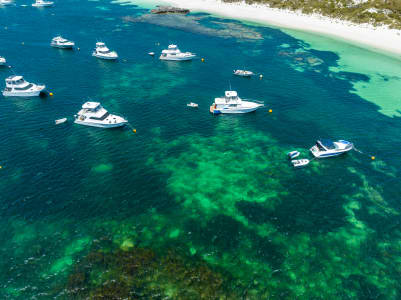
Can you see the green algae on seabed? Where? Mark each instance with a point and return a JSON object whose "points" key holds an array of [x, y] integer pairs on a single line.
{"points": [[382, 82], [102, 168]]}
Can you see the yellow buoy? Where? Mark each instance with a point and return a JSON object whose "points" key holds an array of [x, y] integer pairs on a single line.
{"points": [[260, 76], [373, 158], [203, 59], [133, 130], [270, 110], [51, 94], [1, 167]]}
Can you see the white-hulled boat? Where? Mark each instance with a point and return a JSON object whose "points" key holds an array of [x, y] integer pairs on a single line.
{"points": [[101, 51], [173, 53], [6, 2], [191, 104], [42, 3], [232, 104], [16, 86], [60, 42], [328, 148], [297, 163], [2, 61], [293, 154], [243, 73], [93, 114]]}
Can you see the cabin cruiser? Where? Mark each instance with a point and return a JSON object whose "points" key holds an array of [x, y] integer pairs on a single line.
{"points": [[42, 3], [328, 148], [2, 61], [243, 73], [16, 86], [101, 51], [60, 42], [232, 104], [93, 114], [6, 2], [173, 53]]}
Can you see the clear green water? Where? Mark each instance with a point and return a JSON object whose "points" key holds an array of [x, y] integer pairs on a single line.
{"points": [[193, 206]]}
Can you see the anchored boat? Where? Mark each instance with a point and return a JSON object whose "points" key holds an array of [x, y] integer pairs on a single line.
{"points": [[232, 104], [16, 86], [93, 114], [327, 148]]}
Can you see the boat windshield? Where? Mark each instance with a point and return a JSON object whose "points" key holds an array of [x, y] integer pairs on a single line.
{"points": [[104, 51], [100, 118], [24, 88], [326, 144]]}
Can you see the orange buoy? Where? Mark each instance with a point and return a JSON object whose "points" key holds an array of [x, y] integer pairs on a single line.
{"points": [[134, 130]]}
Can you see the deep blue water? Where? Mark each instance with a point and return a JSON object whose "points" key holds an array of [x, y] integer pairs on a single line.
{"points": [[220, 187]]}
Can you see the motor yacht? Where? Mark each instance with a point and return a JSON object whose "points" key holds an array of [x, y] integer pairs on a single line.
{"points": [[6, 2], [327, 148], [2, 61], [93, 114], [243, 73], [42, 3], [16, 86], [173, 53], [232, 104], [101, 51], [60, 42]]}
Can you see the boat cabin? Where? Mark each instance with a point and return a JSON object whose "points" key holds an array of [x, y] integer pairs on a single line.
{"points": [[325, 145]]}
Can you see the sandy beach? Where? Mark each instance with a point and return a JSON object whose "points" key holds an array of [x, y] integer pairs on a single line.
{"points": [[376, 38]]}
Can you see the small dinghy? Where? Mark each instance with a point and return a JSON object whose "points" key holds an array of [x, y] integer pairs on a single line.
{"points": [[293, 154], [192, 104], [60, 121], [243, 73], [297, 163], [151, 53]]}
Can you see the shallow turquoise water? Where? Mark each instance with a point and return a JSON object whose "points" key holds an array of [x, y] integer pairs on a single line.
{"points": [[217, 190]]}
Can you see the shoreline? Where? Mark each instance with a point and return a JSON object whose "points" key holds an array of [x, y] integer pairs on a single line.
{"points": [[378, 39]]}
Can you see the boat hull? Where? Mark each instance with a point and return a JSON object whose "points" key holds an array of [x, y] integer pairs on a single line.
{"points": [[105, 57], [42, 5], [34, 93], [100, 125], [176, 58], [62, 46], [320, 154]]}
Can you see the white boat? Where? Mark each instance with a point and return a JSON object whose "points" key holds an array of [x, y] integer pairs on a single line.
{"points": [[60, 42], [42, 3], [2, 61], [293, 154], [93, 114], [232, 104], [173, 53], [297, 163], [328, 148], [16, 86], [151, 53], [60, 121], [6, 2], [101, 51], [192, 104], [243, 73]]}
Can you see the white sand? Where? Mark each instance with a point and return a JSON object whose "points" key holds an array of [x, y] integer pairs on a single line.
{"points": [[380, 39]]}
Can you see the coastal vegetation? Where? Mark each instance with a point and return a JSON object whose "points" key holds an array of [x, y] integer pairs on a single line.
{"points": [[375, 12]]}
